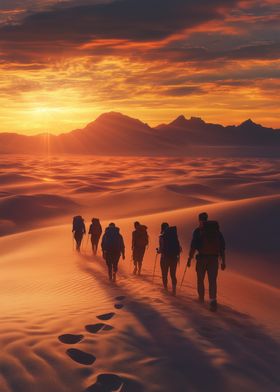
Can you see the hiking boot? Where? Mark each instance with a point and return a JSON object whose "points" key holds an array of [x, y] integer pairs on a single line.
{"points": [[114, 277], [174, 291], [139, 271], [201, 300], [135, 270], [213, 305]]}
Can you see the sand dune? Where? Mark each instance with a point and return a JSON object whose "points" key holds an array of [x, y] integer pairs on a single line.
{"points": [[65, 328], [131, 336]]}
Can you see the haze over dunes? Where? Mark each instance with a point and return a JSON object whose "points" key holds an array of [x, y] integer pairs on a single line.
{"points": [[116, 134], [65, 62]]}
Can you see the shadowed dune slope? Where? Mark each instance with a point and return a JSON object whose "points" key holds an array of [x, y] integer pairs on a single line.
{"points": [[154, 343]]}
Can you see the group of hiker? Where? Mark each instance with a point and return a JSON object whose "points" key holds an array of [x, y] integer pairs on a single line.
{"points": [[207, 246]]}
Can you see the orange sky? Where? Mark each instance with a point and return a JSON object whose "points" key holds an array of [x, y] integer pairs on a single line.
{"points": [[64, 63]]}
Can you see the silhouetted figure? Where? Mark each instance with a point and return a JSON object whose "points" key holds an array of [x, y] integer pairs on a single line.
{"points": [[209, 242], [140, 241], [79, 230], [95, 231], [112, 247], [170, 249]]}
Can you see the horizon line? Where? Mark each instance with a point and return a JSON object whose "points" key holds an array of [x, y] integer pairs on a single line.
{"points": [[49, 133]]}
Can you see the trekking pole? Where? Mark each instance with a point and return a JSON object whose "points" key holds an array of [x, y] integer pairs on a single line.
{"points": [[155, 267], [184, 274]]}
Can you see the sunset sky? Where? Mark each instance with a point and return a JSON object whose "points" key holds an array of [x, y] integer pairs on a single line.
{"points": [[62, 63]]}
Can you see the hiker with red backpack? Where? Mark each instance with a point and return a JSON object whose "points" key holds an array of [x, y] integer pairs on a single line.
{"points": [[209, 243], [78, 230], [169, 249], [95, 231], [112, 247], [140, 241]]}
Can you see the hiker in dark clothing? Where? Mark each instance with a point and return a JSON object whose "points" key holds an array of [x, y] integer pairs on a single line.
{"points": [[79, 230], [170, 249], [140, 241], [95, 231], [112, 247], [209, 242]]}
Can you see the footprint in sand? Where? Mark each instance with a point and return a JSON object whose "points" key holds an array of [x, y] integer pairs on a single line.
{"points": [[120, 298], [119, 306], [106, 316], [80, 356], [106, 382], [70, 339], [95, 328]]}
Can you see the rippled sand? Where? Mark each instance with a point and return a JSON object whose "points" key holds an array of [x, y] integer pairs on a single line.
{"points": [[65, 328]]}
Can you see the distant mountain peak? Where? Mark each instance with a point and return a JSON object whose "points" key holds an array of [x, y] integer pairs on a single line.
{"points": [[249, 123], [179, 121], [197, 120]]}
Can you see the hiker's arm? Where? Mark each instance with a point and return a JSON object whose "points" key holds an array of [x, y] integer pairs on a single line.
{"points": [[222, 251], [133, 240], [160, 248], [194, 246], [122, 248], [191, 256]]}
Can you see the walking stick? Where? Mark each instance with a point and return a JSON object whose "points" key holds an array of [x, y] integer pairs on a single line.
{"points": [[155, 267], [183, 276]]}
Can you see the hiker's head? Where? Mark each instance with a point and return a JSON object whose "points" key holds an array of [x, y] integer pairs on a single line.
{"points": [[112, 224], [137, 224], [202, 217], [94, 220], [164, 226]]}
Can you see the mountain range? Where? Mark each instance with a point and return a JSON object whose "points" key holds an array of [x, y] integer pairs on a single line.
{"points": [[116, 134]]}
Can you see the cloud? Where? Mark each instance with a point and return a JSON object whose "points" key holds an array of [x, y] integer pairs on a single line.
{"points": [[123, 19]]}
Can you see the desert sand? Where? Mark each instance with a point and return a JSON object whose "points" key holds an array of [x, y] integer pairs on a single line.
{"points": [[65, 327]]}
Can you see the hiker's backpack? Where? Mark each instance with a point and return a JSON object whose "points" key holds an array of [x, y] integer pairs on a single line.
{"points": [[95, 228], [78, 223], [112, 241], [171, 245], [210, 242], [141, 238]]}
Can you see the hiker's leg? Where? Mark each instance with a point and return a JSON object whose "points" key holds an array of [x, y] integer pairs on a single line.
{"points": [[212, 272], [115, 263], [78, 237], [173, 268], [96, 242], [164, 270], [200, 271], [140, 260], [109, 265], [92, 244], [115, 266]]}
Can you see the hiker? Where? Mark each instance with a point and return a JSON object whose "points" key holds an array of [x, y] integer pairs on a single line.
{"points": [[79, 230], [140, 241], [112, 247], [209, 242], [95, 231], [170, 249]]}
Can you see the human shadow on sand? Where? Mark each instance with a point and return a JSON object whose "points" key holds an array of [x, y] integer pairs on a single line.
{"points": [[167, 341], [252, 354]]}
